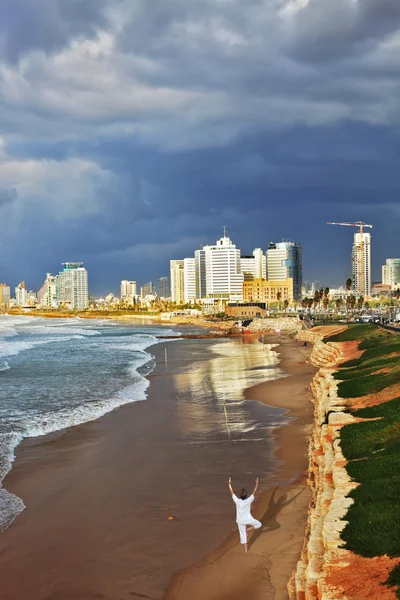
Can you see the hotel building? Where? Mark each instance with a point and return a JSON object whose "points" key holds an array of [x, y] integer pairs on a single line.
{"points": [[72, 286], [224, 279]]}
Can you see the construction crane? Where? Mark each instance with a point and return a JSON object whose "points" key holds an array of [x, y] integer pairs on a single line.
{"points": [[360, 226]]}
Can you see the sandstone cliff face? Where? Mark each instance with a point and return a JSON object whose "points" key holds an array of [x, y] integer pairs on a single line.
{"points": [[329, 482], [326, 571]]}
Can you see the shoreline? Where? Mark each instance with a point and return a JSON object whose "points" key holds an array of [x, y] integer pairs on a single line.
{"points": [[274, 550], [87, 488]]}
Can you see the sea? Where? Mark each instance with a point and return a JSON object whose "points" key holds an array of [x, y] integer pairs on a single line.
{"points": [[57, 373]]}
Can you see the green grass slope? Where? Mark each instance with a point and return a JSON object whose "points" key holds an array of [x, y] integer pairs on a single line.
{"points": [[373, 446]]}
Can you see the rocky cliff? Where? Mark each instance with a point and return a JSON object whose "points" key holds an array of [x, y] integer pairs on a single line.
{"points": [[327, 571]]}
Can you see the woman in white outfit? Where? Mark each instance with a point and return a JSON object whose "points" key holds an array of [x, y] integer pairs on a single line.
{"points": [[245, 521]]}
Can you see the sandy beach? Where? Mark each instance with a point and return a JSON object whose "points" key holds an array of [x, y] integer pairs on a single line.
{"points": [[227, 573], [98, 495]]}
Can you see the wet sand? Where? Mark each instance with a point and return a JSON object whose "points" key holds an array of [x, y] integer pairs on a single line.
{"points": [[98, 495], [263, 573]]}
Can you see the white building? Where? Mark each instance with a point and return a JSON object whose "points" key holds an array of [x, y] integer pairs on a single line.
{"points": [[284, 261], [72, 286], [254, 267], [224, 278], [362, 281], [177, 281], [391, 273], [128, 289], [189, 279], [21, 294], [47, 295]]}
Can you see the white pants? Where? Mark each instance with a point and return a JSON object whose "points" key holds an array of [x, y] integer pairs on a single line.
{"points": [[242, 528]]}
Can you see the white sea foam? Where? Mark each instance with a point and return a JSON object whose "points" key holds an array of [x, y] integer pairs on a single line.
{"points": [[44, 423]]}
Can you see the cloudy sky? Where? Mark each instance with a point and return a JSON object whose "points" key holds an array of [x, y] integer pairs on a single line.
{"points": [[131, 131]]}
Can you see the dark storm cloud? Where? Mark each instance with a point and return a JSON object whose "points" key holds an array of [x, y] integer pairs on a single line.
{"points": [[336, 29], [140, 128], [46, 24]]}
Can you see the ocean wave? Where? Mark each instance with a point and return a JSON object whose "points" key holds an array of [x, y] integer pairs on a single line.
{"points": [[4, 366], [141, 365], [10, 505], [15, 347]]}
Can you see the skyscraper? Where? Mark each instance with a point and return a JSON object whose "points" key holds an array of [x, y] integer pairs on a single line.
{"points": [[284, 261], [4, 295], [177, 281], [391, 273], [362, 281], [224, 278], [163, 287], [47, 295], [128, 289], [189, 279], [21, 294], [254, 267], [72, 286], [147, 289]]}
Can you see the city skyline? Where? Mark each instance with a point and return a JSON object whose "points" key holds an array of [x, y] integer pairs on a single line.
{"points": [[98, 288]]}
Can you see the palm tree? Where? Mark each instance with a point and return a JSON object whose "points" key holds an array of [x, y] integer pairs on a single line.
{"points": [[278, 297], [286, 304], [348, 284], [360, 302], [326, 298], [339, 304]]}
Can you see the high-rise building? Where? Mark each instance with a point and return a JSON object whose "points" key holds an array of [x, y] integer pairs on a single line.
{"points": [[47, 295], [163, 287], [189, 279], [128, 289], [4, 295], [72, 286], [201, 278], [177, 281], [21, 294], [254, 267], [224, 279], [147, 289], [391, 273], [284, 261], [362, 281]]}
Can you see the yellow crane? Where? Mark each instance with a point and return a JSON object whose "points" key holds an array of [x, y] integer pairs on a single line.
{"points": [[360, 225]]}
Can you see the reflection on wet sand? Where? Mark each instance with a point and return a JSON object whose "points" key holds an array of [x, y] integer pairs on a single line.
{"points": [[210, 393]]}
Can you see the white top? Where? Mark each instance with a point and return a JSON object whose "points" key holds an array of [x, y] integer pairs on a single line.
{"points": [[243, 509]]}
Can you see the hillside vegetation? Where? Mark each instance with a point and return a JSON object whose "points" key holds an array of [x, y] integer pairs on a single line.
{"points": [[372, 447]]}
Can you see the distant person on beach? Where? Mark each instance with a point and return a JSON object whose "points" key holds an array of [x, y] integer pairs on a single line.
{"points": [[245, 521]]}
